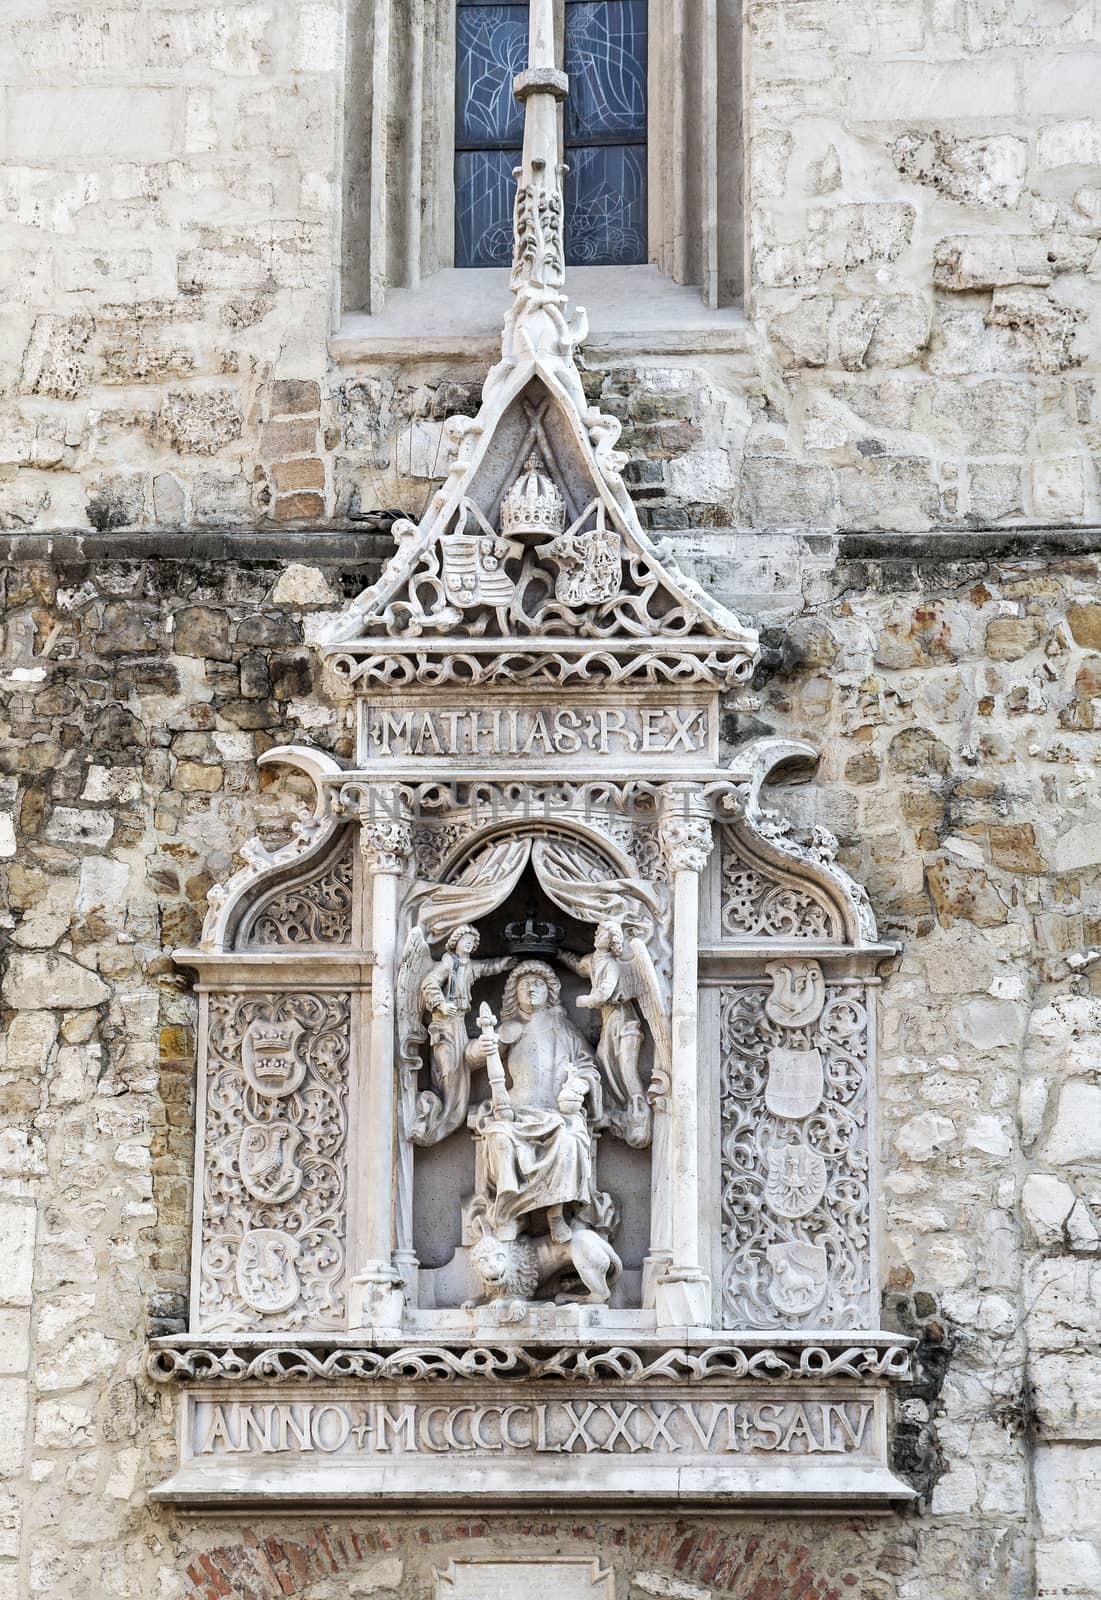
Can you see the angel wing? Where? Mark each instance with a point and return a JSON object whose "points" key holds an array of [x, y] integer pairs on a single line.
{"points": [[416, 960], [640, 982]]}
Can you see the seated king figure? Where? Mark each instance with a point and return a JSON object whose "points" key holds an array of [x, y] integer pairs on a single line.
{"points": [[538, 1143]]}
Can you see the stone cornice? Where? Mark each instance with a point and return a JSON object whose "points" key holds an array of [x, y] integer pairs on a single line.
{"points": [[881, 1357]]}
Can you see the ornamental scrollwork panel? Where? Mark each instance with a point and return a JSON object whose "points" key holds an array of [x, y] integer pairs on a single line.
{"points": [[753, 906], [795, 1203], [275, 1170], [315, 913]]}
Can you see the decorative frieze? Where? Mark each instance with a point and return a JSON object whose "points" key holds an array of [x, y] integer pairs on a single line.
{"points": [[880, 1358]]}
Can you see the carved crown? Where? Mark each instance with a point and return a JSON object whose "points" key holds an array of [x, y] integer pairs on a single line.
{"points": [[269, 1038], [534, 938], [533, 509]]}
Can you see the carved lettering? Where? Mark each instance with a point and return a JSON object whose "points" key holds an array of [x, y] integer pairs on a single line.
{"points": [[531, 731], [697, 1427]]}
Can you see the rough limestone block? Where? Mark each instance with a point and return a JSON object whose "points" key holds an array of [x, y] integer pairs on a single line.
{"points": [[892, 91], [922, 1137], [45, 124], [1067, 1395], [15, 1342], [13, 1425], [1047, 1203], [37, 981], [1076, 1134], [17, 1231], [1068, 1488], [1069, 144], [1067, 1567], [985, 261], [1063, 1300]]}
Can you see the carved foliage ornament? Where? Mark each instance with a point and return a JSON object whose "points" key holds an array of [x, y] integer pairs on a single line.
{"points": [[274, 1179], [318, 912], [754, 906], [795, 1205]]}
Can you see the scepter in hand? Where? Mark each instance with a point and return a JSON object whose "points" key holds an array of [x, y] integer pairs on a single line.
{"points": [[491, 1047]]}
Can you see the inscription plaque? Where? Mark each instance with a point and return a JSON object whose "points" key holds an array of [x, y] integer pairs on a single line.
{"points": [[581, 729], [514, 1578], [641, 1444]]}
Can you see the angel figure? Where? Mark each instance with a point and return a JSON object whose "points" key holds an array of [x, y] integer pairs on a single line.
{"points": [[623, 980], [440, 992]]}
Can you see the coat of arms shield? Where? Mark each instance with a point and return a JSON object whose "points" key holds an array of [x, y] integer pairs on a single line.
{"points": [[796, 1081], [266, 1159]]}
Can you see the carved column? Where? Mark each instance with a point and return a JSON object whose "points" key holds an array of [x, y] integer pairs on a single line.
{"points": [[387, 843], [684, 1289]]}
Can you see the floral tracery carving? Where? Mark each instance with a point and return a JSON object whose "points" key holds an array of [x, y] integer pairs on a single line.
{"points": [[754, 906], [795, 1202], [318, 912], [274, 1183]]}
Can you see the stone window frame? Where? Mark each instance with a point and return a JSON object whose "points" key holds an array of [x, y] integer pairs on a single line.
{"points": [[397, 227]]}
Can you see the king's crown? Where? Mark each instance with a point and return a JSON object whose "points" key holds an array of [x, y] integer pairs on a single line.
{"points": [[533, 508]]}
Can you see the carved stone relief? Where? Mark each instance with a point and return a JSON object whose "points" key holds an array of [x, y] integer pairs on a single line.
{"points": [[755, 906], [795, 1160], [318, 912], [274, 1176], [533, 1085]]}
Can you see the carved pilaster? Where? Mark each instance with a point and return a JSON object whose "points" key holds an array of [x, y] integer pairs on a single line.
{"points": [[386, 839], [686, 832]]}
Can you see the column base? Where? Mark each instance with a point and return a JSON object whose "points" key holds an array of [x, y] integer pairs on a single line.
{"points": [[654, 1268], [376, 1298], [683, 1299]]}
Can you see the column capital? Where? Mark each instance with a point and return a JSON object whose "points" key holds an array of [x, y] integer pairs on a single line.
{"points": [[385, 834], [686, 828], [386, 846]]}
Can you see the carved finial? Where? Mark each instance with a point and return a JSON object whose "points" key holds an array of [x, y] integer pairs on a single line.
{"points": [[538, 253]]}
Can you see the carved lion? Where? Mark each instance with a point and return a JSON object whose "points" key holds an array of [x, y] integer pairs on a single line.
{"points": [[511, 1270]]}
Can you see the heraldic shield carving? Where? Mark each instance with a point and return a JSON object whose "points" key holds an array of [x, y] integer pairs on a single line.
{"points": [[535, 1105]]}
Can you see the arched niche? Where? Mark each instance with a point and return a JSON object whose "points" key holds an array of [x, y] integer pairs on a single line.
{"points": [[558, 881]]}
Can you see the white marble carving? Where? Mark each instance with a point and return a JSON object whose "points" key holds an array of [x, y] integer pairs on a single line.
{"points": [[624, 983], [464, 1193], [273, 1236], [806, 1148], [439, 992], [317, 912], [795, 1080], [798, 992]]}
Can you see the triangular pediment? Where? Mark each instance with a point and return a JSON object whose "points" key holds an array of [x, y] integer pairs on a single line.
{"points": [[533, 543]]}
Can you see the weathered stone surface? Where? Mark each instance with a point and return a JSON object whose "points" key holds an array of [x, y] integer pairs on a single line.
{"points": [[34, 982], [977, 172], [1076, 1134], [200, 421], [1047, 1202]]}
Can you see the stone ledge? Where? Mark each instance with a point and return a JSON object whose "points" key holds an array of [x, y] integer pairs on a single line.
{"points": [[370, 543]]}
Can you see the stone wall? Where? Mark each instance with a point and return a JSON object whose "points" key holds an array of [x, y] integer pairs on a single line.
{"points": [[924, 211], [953, 697], [924, 202]]}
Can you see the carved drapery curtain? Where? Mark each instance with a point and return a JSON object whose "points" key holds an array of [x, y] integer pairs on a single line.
{"points": [[571, 873]]}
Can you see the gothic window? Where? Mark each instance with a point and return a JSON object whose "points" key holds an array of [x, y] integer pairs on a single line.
{"points": [[605, 130], [652, 134]]}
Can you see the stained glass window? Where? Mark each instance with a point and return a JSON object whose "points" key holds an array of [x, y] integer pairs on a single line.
{"points": [[605, 131]]}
